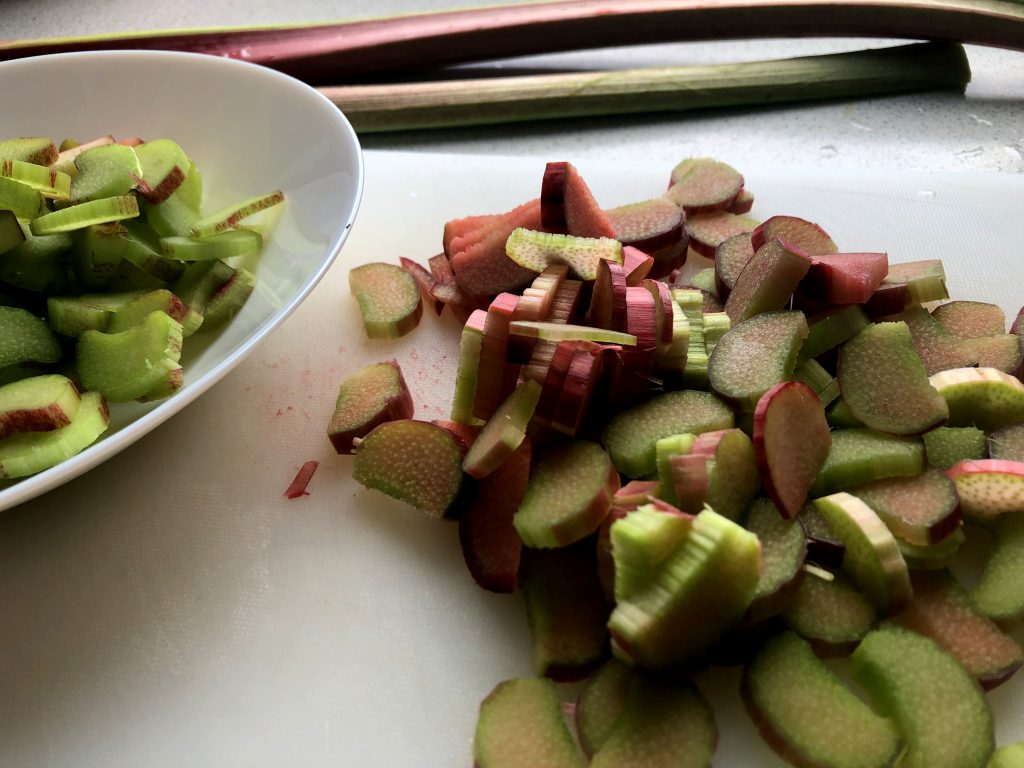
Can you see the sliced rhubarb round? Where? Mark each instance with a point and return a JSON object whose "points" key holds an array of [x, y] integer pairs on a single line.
{"points": [[767, 281], [370, 396], [600, 704], [503, 432], [707, 231], [999, 592], [989, 487], [791, 443], [981, 397], [859, 456], [37, 404], [803, 234], [783, 551], [831, 614], [388, 297], [701, 184], [922, 509]]}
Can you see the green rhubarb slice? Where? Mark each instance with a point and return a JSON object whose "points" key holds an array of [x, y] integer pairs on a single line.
{"points": [[549, 331], [767, 282], [503, 432], [72, 315], [946, 446], [389, 299], [708, 230], [163, 168], [25, 338], [1004, 352], [105, 171], [126, 366], [86, 214], [233, 215], [537, 251], [225, 245], [664, 449], [38, 264], [938, 349], [860, 456], [999, 592], [816, 376], [38, 150], [702, 183], [642, 542], [11, 233], [30, 452], [808, 716], [699, 592], [200, 282], [138, 309], [469, 362], [569, 494], [731, 256], [989, 487], [631, 436], [886, 385], [371, 396], [971, 319], [50, 183], [831, 614], [981, 397], [943, 611], [925, 280], [783, 552], [872, 558], [24, 201], [804, 234], [663, 722], [922, 509], [755, 355], [719, 470], [938, 708], [600, 704], [521, 726], [565, 608], [832, 328], [37, 404], [412, 461], [228, 300]]}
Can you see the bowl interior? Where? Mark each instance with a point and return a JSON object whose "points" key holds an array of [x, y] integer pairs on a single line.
{"points": [[249, 130]]}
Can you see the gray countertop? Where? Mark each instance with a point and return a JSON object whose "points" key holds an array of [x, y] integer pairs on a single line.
{"points": [[982, 130]]}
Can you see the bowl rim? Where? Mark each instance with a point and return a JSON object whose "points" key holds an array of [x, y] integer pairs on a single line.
{"points": [[25, 489]]}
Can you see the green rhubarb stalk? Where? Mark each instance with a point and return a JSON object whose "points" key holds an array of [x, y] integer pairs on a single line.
{"points": [[443, 104]]}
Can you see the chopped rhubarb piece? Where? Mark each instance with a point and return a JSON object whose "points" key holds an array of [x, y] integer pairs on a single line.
{"points": [[743, 203], [636, 264], [482, 268], [1003, 352], [581, 381], [458, 228], [791, 443], [701, 184], [388, 297], [989, 487], [796, 232], [981, 397], [503, 432], [783, 552], [424, 279], [663, 721], [859, 456], [1006, 443], [755, 355], [496, 378], [566, 609], [947, 446], [521, 726], [38, 404], [552, 197], [301, 482], [370, 396], [922, 509], [583, 216], [767, 281], [731, 256], [447, 291], [932, 556], [999, 592], [554, 377], [656, 227], [707, 231], [885, 383], [642, 541], [924, 690], [569, 494], [807, 714], [872, 560], [694, 596], [467, 373], [534, 251], [887, 300], [608, 298], [718, 470], [830, 614], [537, 300], [971, 319], [943, 611], [491, 546], [938, 349], [600, 704], [412, 461], [924, 280], [845, 278]]}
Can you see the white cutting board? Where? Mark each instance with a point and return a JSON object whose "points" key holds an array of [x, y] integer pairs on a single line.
{"points": [[171, 608]]}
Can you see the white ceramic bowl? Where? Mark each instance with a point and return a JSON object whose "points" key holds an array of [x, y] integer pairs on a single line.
{"points": [[249, 130]]}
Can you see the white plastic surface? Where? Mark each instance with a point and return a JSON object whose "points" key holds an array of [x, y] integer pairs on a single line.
{"points": [[172, 608]]}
